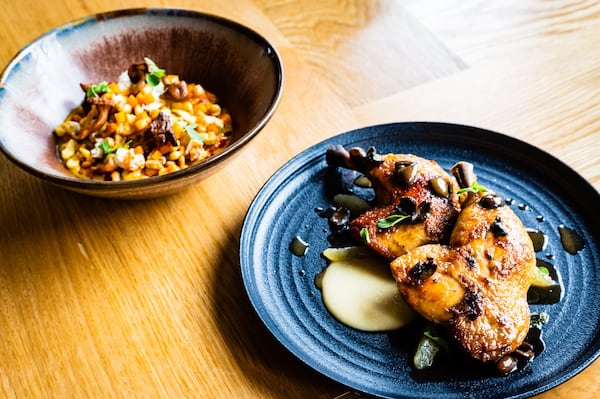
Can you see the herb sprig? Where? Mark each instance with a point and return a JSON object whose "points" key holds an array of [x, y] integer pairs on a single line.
{"points": [[364, 234], [191, 131], [155, 73], [96, 90], [391, 220], [474, 188], [107, 149]]}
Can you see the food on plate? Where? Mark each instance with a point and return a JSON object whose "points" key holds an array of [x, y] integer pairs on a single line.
{"points": [[406, 187], [361, 293], [461, 258], [147, 123], [476, 285]]}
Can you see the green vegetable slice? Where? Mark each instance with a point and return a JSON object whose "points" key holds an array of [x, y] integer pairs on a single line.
{"points": [[107, 149], [539, 319], [440, 342], [426, 353]]}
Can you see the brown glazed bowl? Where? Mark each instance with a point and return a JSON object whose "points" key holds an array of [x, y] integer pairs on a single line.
{"points": [[40, 86]]}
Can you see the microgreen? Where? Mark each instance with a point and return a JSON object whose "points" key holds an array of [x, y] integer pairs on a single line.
{"points": [[539, 319], [107, 149], [97, 89], [155, 73], [364, 234], [191, 131], [474, 188], [390, 221]]}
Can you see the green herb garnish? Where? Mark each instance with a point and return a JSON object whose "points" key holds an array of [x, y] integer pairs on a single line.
{"points": [[364, 234], [97, 90], [107, 149], [191, 131], [539, 319], [155, 73], [390, 221], [474, 188]]}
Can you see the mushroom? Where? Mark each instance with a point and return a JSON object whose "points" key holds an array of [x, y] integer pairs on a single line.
{"points": [[161, 130], [439, 186], [176, 91], [356, 158], [405, 172], [463, 172], [137, 72], [103, 106]]}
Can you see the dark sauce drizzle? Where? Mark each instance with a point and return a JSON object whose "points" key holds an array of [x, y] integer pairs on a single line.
{"points": [[571, 241]]}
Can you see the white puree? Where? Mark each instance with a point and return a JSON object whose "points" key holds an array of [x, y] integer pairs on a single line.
{"points": [[362, 293]]}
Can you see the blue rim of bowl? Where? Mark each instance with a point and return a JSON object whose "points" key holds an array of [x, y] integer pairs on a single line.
{"points": [[76, 182]]}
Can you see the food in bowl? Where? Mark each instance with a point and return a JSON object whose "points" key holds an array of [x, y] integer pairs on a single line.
{"points": [[147, 123]]}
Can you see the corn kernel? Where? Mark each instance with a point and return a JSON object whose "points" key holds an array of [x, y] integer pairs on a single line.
{"points": [[114, 88], [142, 123], [120, 116], [138, 109], [146, 89], [131, 100], [154, 155], [68, 149], [73, 163], [154, 164], [171, 79], [174, 155]]}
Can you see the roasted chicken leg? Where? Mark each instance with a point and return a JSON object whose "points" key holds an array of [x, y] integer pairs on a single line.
{"points": [[476, 286], [416, 200]]}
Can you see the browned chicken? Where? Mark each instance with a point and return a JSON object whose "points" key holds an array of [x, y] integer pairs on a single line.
{"points": [[466, 265], [416, 200], [476, 287]]}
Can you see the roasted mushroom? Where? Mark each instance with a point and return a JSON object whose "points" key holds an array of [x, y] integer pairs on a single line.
{"points": [[137, 72], [161, 130], [176, 91], [103, 106]]}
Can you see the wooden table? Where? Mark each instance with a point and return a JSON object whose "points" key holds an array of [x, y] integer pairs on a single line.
{"points": [[144, 299]]}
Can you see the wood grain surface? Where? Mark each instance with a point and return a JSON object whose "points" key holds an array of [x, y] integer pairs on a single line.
{"points": [[144, 299]]}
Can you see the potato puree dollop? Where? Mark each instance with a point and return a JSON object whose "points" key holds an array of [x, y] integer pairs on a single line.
{"points": [[362, 294]]}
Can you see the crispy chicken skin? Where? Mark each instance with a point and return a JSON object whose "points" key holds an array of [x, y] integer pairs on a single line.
{"points": [[403, 184], [476, 287], [394, 241]]}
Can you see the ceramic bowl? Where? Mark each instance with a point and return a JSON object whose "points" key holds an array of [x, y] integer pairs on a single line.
{"points": [[40, 86]]}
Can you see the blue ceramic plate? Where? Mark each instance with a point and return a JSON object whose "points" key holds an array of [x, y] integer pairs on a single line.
{"points": [[546, 194]]}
